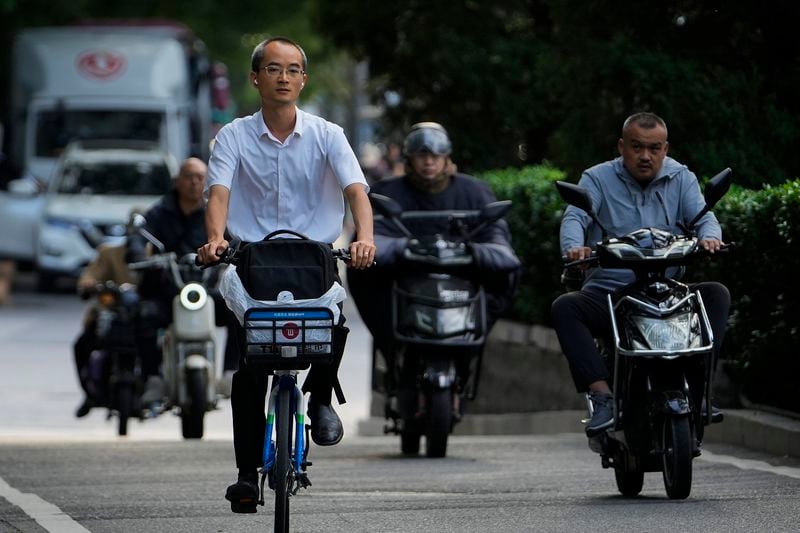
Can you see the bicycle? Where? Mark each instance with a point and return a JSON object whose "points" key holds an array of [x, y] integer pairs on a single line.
{"points": [[288, 339]]}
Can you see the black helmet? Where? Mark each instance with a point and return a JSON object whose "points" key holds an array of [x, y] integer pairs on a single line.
{"points": [[427, 137]]}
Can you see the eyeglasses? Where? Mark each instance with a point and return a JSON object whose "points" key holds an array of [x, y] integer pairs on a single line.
{"points": [[293, 73]]}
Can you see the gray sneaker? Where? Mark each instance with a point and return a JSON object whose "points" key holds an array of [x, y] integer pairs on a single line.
{"points": [[603, 413], [154, 391]]}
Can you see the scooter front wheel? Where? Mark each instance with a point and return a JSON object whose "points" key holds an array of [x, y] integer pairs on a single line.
{"points": [[676, 444], [439, 422], [193, 414]]}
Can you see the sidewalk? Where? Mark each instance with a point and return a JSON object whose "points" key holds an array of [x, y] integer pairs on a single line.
{"points": [[756, 430]]}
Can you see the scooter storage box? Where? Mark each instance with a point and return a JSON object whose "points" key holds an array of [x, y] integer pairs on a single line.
{"points": [[438, 309]]}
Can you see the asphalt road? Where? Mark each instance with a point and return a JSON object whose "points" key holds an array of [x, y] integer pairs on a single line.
{"points": [[59, 474], [531, 483]]}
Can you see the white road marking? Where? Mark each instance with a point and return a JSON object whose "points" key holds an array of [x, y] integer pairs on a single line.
{"points": [[46, 514], [750, 464]]}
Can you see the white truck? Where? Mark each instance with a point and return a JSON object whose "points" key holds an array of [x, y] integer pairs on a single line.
{"points": [[109, 81]]}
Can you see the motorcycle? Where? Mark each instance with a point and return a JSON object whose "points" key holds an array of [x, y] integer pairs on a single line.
{"points": [[439, 325], [659, 351], [115, 377], [190, 363]]}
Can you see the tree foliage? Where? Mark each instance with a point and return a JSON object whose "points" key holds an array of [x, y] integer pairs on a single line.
{"points": [[554, 79]]}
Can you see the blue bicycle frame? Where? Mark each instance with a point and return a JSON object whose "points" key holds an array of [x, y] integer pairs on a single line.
{"points": [[287, 379]]}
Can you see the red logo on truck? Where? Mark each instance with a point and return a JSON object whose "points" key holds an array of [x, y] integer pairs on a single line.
{"points": [[100, 64], [291, 330]]}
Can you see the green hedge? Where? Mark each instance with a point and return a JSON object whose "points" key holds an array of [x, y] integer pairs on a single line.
{"points": [[763, 337], [534, 221], [762, 275]]}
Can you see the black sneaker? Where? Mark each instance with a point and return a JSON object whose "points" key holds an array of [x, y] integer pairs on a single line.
{"points": [[84, 408], [603, 415], [243, 494]]}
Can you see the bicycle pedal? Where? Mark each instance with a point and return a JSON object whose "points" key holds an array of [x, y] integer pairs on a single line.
{"points": [[302, 482]]}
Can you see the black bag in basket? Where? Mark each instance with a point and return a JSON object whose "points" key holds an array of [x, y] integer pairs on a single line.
{"points": [[304, 267]]}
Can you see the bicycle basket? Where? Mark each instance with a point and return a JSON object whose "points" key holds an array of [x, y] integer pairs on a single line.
{"points": [[288, 337]]}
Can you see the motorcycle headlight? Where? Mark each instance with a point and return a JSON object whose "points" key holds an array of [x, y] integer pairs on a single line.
{"points": [[446, 321], [193, 296], [454, 320], [677, 332], [107, 299]]}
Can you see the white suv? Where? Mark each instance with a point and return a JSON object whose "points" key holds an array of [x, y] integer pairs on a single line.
{"points": [[95, 186]]}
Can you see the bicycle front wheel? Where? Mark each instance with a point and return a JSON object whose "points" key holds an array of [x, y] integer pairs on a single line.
{"points": [[283, 463]]}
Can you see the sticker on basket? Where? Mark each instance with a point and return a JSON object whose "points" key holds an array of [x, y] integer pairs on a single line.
{"points": [[290, 330]]}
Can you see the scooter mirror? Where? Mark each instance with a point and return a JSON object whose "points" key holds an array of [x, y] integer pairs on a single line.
{"points": [[715, 190], [495, 210], [386, 206], [390, 209], [580, 198], [717, 187], [575, 195]]}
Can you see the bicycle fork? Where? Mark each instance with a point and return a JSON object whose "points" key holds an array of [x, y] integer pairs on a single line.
{"points": [[287, 379]]}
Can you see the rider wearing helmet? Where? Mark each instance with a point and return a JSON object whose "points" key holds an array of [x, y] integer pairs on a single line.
{"points": [[432, 183]]}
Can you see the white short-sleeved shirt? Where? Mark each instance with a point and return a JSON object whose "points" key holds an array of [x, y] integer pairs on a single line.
{"points": [[294, 185]]}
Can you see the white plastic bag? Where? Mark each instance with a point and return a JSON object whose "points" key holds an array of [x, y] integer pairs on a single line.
{"points": [[238, 301]]}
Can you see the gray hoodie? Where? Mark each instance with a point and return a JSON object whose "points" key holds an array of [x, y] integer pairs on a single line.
{"points": [[623, 206]]}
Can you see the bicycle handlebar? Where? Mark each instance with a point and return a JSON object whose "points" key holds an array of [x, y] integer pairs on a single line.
{"points": [[229, 256]]}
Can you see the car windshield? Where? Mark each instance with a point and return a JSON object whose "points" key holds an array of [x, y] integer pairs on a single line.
{"points": [[129, 178], [57, 128]]}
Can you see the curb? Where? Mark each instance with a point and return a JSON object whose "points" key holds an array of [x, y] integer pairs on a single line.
{"points": [[756, 430]]}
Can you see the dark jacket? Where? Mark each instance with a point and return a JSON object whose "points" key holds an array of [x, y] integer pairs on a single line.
{"points": [[180, 233], [491, 248]]}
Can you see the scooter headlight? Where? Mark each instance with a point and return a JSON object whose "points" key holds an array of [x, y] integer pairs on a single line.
{"points": [[193, 296], [677, 332]]}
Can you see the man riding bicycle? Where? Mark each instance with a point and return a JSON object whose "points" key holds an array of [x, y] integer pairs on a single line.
{"points": [[282, 168]]}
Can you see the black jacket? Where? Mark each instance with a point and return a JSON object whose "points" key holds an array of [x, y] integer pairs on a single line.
{"points": [[180, 233], [492, 252], [491, 248]]}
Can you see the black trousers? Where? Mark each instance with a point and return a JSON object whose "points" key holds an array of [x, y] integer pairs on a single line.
{"points": [[580, 317], [82, 348]]}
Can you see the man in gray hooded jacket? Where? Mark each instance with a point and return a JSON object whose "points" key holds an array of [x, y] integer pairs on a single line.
{"points": [[641, 188]]}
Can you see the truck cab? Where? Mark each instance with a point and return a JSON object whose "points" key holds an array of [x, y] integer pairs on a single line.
{"points": [[116, 81]]}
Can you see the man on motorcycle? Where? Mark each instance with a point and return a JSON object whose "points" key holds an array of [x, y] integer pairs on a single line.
{"points": [[178, 221], [641, 188], [432, 183], [108, 265], [282, 168]]}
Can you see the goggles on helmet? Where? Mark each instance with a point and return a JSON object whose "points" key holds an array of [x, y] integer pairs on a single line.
{"points": [[431, 139]]}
